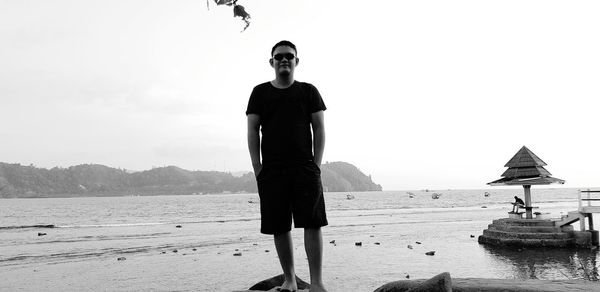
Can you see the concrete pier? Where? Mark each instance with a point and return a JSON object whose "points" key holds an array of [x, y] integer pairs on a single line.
{"points": [[533, 233], [558, 232]]}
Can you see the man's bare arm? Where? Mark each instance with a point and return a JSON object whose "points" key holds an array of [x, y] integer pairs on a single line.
{"points": [[318, 128], [254, 142]]}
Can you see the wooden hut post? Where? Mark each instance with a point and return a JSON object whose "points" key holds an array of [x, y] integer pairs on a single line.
{"points": [[528, 211]]}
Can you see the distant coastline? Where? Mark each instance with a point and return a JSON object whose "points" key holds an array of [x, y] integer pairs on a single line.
{"points": [[20, 181]]}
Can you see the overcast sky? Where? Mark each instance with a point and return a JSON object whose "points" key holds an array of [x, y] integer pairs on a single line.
{"points": [[420, 94]]}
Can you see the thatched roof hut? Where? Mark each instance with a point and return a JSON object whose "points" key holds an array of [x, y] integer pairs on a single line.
{"points": [[526, 169]]}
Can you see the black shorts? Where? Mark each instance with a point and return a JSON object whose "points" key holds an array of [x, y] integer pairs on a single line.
{"points": [[290, 191]]}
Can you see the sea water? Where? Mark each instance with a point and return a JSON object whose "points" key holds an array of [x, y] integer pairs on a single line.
{"points": [[212, 242]]}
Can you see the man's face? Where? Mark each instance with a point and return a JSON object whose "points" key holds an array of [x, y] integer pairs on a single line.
{"points": [[284, 60]]}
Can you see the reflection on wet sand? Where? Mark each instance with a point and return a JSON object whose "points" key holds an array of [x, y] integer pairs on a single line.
{"points": [[547, 264]]}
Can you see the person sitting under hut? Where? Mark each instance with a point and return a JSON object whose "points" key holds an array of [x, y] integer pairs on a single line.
{"points": [[517, 204]]}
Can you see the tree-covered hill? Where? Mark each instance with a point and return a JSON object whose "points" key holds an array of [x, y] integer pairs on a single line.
{"points": [[345, 177], [98, 180]]}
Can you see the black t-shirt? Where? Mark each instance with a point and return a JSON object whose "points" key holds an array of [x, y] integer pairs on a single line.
{"points": [[285, 121]]}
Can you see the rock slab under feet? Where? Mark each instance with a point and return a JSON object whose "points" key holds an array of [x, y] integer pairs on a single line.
{"points": [[276, 281]]}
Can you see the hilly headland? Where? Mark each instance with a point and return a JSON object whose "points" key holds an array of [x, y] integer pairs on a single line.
{"points": [[20, 181]]}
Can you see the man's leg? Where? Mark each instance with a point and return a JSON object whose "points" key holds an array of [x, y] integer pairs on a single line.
{"points": [[313, 243], [285, 252]]}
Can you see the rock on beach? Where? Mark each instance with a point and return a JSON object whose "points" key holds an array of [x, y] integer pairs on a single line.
{"points": [[444, 282], [490, 285]]}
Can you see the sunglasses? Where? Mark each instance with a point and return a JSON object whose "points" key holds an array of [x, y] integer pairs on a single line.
{"points": [[288, 56]]}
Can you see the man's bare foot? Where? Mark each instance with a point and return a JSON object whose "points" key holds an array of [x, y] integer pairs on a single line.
{"points": [[317, 288], [288, 286]]}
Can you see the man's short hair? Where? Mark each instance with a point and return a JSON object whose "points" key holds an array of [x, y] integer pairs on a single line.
{"points": [[282, 44]]}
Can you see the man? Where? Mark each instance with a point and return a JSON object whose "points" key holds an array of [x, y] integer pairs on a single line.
{"points": [[517, 204], [289, 175]]}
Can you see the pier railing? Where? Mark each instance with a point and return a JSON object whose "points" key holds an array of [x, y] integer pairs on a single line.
{"points": [[585, 201]]}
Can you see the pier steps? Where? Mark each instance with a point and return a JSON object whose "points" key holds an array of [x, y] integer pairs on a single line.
{"points": [[526, 242], [524, 229], [521, 222], [527, 233], [570, 218]]}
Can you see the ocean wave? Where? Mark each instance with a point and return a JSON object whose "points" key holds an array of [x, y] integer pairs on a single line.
{"points": [[226, 220], [104, 237], [55, 258], [28, 226], [416, 209], [59, 257], [403, 223], [112, 225]]}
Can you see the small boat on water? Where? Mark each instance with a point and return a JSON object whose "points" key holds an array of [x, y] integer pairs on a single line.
{"points": [[349, 197], [486, 194], [436, 196], [410, 195]]}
